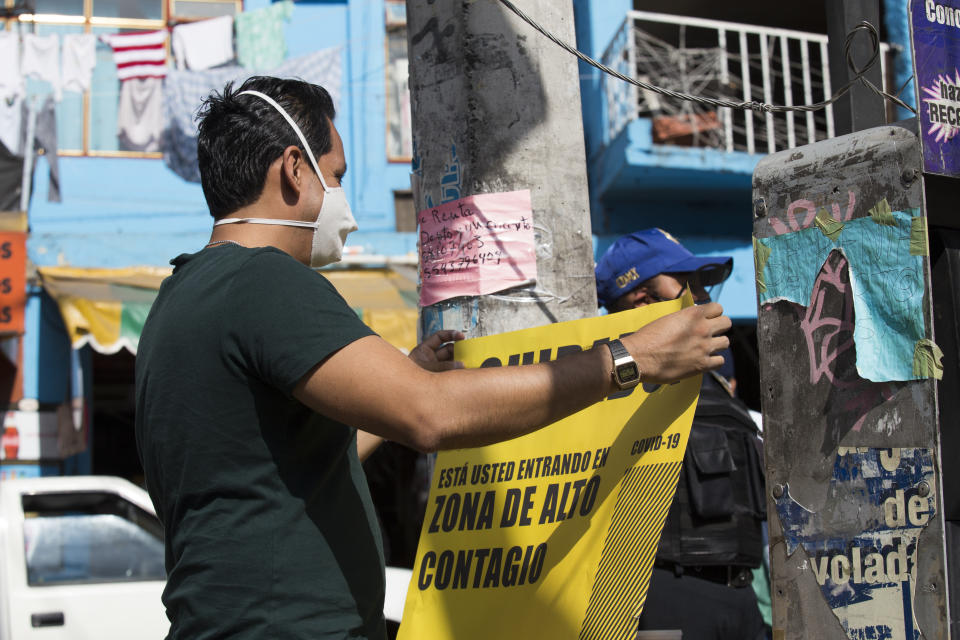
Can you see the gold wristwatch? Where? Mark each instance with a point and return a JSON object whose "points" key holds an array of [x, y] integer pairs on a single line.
{"points": [[626, 373]]}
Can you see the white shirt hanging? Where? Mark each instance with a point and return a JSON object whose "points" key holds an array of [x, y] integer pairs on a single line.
{"points": [[11, 80], [11, 122], [41, 59], [203, 44], [140, 114], [79, 59]]}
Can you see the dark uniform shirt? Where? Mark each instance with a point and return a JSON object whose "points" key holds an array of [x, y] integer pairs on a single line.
{"points": [[270, 531]]}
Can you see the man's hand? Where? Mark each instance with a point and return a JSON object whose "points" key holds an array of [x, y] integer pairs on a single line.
{"points": [[681, 344], [436, 352]]}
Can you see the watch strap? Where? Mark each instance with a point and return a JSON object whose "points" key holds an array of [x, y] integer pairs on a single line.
{"points": [[617, 350]]}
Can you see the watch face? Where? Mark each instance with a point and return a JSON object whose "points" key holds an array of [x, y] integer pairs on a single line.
{"points": [[628, 372]]}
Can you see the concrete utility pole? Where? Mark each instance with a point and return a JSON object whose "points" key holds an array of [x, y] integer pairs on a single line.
{"points": [[496, 108], [861, 108]]}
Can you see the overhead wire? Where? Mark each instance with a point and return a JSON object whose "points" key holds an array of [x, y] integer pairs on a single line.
{"points": [[747, 105]]}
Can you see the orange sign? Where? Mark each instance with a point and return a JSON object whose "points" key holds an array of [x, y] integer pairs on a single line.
{"points": [[13, 280]]}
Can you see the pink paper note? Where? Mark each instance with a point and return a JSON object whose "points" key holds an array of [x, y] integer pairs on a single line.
{"points": [[476, 245]]}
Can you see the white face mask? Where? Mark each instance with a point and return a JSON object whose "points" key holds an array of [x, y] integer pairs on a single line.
{"points": [[338, 221]]}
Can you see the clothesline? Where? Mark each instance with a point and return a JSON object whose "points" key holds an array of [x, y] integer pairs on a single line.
{"points": [[66, 61], [157, 114], [158, 97]]}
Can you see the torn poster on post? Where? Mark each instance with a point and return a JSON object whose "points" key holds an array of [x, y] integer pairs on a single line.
{"points": [[476, 245], [885, 255], [863, 545]]}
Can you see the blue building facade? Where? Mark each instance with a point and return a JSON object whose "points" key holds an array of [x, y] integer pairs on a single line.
{"points": [[121, 211]]}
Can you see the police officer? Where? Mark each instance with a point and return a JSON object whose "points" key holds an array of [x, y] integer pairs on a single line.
{"points": [[711, 539]]}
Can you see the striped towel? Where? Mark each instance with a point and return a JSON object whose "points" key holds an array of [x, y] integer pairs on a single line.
{"points": [[139, 55]]}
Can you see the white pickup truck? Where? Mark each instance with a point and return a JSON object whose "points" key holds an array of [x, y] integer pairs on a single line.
{"points": [[81, 557]]}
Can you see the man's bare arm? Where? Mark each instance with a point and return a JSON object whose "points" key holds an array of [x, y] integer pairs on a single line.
{"points": [[371, 385], [435, 353]]}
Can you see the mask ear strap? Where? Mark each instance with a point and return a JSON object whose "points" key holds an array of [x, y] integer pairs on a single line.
{"points": [[286, 116], [285, 223]]}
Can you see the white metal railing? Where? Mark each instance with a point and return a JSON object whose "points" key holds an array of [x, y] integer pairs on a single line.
{"points": [[720, 60]]}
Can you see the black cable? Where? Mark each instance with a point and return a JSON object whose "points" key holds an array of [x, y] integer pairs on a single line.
{"points": [[741, 105]]}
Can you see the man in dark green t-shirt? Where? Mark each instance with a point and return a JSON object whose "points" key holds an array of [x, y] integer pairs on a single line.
{"points": [[254, 376]]}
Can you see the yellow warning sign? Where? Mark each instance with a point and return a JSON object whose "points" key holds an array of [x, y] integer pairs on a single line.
{"points": [[552, 535]]}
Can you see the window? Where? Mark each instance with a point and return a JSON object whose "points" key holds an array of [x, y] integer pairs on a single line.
{"points": [[76, 538], [404, 213], [399, 127], [190, 10], [87, 122]]}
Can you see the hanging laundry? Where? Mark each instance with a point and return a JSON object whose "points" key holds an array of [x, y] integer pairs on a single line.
{"points": [[184, 91], [11, 179], [203, 44], [79, 59], [11, 80], [41, 59], [140, 114], [139, 55], [260, 40], [45, 138], [323, 67], [11, 118]]}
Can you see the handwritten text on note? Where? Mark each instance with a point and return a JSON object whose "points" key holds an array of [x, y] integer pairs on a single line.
{"points": [[476, 245]]}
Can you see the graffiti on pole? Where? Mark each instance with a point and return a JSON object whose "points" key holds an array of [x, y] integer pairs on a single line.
{"points": [[856, 287], [802, 204], [827, 325]]}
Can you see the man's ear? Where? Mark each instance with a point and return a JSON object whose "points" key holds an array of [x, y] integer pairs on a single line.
{"points": [[291, 168]]}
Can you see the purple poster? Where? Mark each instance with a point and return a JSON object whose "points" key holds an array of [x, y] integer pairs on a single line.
{"points": [[935, 29]]}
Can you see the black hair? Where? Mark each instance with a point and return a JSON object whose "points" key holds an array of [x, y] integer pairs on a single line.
{"points": [[240, 136]]}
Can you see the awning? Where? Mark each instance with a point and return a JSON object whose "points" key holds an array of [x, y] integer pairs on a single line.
{"points": [[106, 308]]}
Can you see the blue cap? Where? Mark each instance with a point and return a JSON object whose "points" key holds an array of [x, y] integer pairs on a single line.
{"points": [[637, 257]]}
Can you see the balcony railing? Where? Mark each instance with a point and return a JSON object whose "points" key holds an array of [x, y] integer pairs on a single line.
{"points": [[720, 60]]}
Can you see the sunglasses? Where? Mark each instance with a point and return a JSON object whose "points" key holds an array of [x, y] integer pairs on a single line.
{"points": [[708, 278], [709, 275]]}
